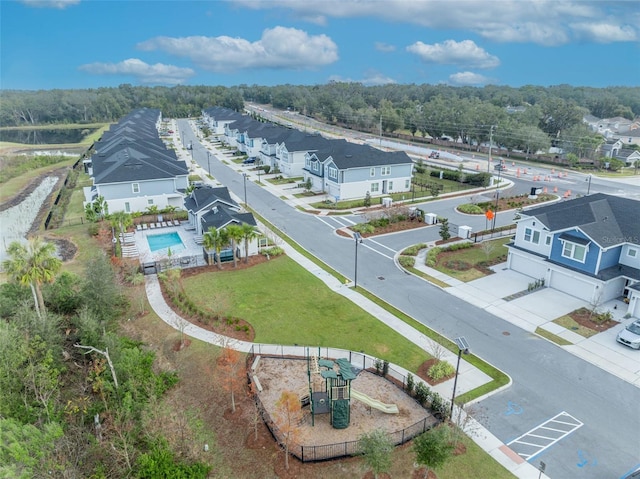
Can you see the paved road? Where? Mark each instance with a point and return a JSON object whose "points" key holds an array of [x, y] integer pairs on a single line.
{"points": [[547, 381]]}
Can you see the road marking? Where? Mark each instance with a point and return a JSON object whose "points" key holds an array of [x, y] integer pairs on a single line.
{"points": [[542, 437], [325, 222], [584, 459], [380, 244], [513, 408], [365, 245]]}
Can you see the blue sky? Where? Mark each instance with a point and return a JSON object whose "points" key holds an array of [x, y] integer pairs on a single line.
{"points": [[89, 44]]}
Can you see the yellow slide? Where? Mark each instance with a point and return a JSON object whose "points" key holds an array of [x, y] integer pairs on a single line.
{"points": [[374, 403]]}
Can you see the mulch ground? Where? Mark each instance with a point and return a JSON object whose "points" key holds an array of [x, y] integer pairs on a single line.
{"points": [[584, 318]]}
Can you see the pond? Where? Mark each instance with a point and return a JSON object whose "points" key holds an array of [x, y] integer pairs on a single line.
{"points": [[39, 136]]}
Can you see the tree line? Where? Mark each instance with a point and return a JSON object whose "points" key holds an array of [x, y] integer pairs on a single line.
{"points": [[528, 118]]}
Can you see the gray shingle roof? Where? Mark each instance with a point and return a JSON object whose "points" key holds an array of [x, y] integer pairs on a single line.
{"points": [[205, 196], [607, 220], [347, 155], [223, 215]]}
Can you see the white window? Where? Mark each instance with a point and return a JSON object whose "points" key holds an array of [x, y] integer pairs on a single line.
{"points": [[333, 173], [531, 236], [632, 252], [375, 187], [135, 187], [372, 172], [574, 251], [263, 242], [547, 240], [407, 184], [127, 207], [390, 185], [149, 201], [385, 170]]}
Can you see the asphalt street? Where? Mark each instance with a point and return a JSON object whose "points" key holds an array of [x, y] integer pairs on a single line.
{"points": [[599, 410]]}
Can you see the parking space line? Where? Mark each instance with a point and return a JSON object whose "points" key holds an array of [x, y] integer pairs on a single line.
{"points": [[528, 447]]}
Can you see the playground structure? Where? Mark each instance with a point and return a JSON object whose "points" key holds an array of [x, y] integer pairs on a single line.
{"points": [[330, 392]]}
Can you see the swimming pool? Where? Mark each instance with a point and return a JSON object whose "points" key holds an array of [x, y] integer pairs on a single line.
{"points": [[165, 241]]}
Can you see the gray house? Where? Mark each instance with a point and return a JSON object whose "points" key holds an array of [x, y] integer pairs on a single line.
{"points": [[347, 170], [132, 168], [213, 207]]}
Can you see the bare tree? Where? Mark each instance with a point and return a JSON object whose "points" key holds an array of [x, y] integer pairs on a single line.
{"points": [[437, 350], [105, 353], [487, 248]]}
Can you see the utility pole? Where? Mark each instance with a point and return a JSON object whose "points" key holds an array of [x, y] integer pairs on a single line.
{"points": [[490, 145], [380, 129]]}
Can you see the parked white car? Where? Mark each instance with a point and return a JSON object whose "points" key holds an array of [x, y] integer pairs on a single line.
{"points": [[630, 336]]}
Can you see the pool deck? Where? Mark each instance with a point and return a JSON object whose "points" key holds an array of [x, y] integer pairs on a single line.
{"points": [[147, 256]]}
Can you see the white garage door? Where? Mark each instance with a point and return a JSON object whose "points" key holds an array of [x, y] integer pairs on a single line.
{"points": [[571, 285], [524, 265]]}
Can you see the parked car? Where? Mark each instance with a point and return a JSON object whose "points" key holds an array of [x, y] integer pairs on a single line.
{"points": [[249, 161], [434, 154], [630, 336]]}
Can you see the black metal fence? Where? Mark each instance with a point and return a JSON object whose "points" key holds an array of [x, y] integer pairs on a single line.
{"points": [[496, 233], [314, 453]]}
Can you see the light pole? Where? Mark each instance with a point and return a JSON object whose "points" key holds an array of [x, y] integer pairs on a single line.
{"points": [[244, 175], [463, 347], [358, 239], [589, 185], [493, 226], [208, 163]]}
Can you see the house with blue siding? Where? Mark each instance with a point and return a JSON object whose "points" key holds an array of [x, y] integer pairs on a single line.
{"points": [[346, 170], [132, 169], [588, 247]]}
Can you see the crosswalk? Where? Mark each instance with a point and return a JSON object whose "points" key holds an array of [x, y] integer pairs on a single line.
{"points": [[542, 437]]}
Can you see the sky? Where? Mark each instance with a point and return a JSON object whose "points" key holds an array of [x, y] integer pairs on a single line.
{"points": [[71, 44]]}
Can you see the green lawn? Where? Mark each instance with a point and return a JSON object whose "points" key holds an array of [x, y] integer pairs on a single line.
{"points": [[288, 305], [572, 325]]}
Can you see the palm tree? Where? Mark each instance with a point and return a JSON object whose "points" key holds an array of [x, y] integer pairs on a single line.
{"points": [[235, 234], [210, 241], [122, 220], [215, 239], [33, 265], [248, 233]]}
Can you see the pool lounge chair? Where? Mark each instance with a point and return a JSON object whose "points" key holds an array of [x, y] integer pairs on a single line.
{"points": [[145, 226], [138, 227], [176, 223], [152, 225], [164, 224], [158, 225]]}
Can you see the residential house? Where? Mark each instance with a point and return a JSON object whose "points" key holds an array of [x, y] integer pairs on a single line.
{"points": [[291, 152], [218, 118], [347, 170], [588, 247], [213, 207], [132, 168]]}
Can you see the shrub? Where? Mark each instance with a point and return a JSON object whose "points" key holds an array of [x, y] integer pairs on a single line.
{"points": [[273, 251], [94, 229], [413, 250], [407, 261], [470, 209], [432, 256], [363, 228], [440, 370], [439, 406], [458, 246], [410, 384], [422, 393], [385, 368]]}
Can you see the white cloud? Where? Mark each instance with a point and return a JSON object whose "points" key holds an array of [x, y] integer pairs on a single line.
{"points": [[605, 32], [544, 22], [468, 78], [145, 73], [450, 52], [60, 4], [384, 47], [279, 47]]}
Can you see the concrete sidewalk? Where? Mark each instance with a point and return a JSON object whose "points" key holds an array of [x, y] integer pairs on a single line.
{"points": [[504, 294]]}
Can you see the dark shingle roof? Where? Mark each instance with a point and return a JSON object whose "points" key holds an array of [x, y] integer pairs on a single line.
{"points": [[203, 197], [347, 155], [607, 220], [223, 215]]}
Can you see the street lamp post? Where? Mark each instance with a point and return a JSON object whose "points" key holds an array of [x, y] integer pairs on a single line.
{"points": [[463, 347], [358, 239], [244, 175], [589, 185], [493, 226], [208, 162]]}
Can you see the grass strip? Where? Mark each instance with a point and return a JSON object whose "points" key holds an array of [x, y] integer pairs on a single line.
{"points": [[429, 278], [552, 337]]}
